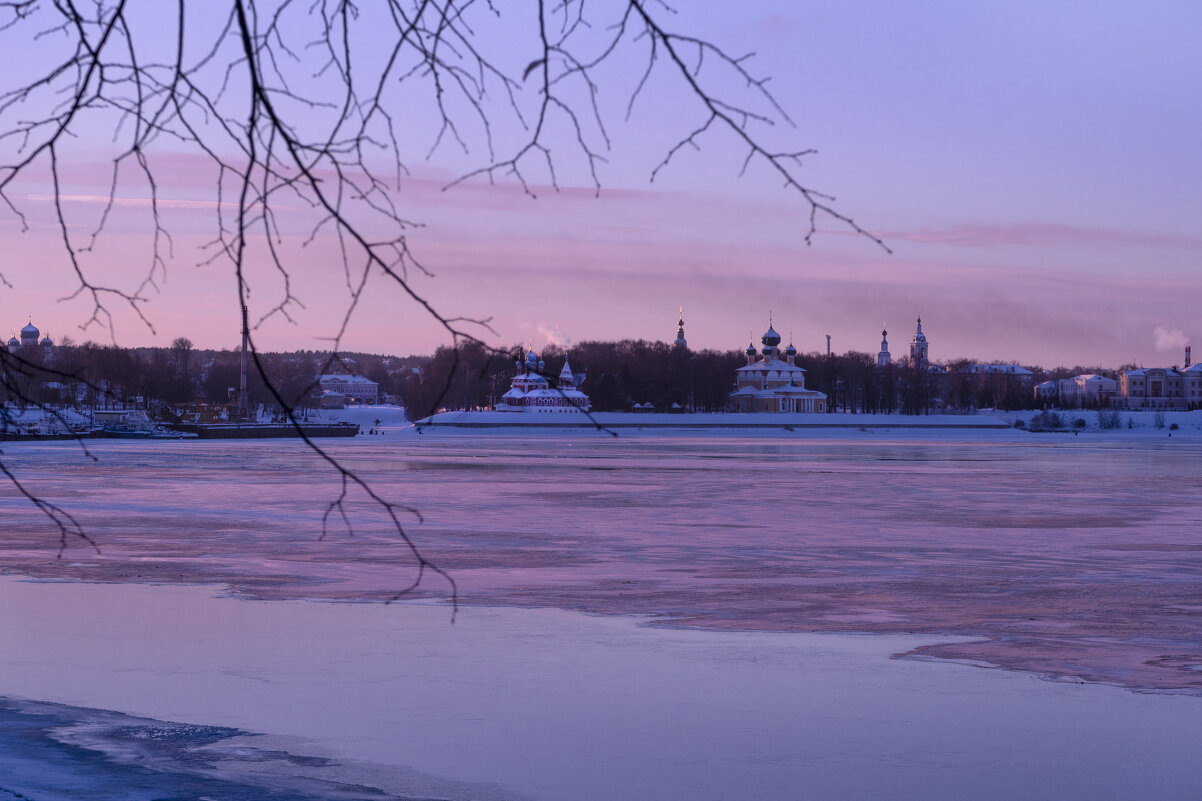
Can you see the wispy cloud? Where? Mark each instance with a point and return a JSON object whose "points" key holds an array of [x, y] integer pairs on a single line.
{"points": [[132, 202], [1041, 234]]}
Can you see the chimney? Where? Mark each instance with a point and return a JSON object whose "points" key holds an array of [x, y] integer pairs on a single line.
{"points": [[1187, 347]]}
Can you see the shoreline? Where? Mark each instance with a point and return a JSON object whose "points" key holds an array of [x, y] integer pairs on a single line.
{"points": [[706, 421]]}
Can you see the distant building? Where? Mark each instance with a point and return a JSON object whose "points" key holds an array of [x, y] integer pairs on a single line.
{"points": [[1022, 373], [1096, 390], [531, 391], [29, 339], [920, 352], [680, 342], [1062, 392], [356, 387], [883, 358], [772, 384], [1160, 388]]}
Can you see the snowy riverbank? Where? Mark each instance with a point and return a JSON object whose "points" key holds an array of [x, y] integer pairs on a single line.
{"points": [[729, 420]]}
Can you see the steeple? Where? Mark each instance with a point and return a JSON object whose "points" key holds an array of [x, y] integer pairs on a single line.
{"points": [[567, 380], [680, 340], [883, 358], [919, 348]]}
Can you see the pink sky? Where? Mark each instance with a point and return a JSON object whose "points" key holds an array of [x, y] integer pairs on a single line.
{"points": [[1034, 170]]}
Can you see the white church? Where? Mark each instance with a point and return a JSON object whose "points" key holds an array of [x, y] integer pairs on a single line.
{"points": [[773, 384]]}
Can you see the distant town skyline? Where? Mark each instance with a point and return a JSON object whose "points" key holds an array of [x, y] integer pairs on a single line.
{"points": [[1031, 166]]}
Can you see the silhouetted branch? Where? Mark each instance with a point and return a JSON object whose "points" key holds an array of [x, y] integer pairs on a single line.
{"points": [[300, 105]]}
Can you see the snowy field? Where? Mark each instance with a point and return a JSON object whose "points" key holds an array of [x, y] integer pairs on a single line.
{"points": [[1074, 556]]}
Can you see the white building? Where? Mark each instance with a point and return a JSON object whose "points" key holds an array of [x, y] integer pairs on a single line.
{"points": [[357, 387], [883, 358], [1062, 392], [1001, 369], [1088, 389], [920, 353], [531, 391], [772, 384], [1160, 388], [1096, 390]]}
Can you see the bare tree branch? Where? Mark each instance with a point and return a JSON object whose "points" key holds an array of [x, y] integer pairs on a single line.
{"points": [[311, 109]]}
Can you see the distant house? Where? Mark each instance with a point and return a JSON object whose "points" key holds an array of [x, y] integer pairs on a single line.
{"points": [[1096, 390], [356, 387], [1022, 373], [1088, 389]]}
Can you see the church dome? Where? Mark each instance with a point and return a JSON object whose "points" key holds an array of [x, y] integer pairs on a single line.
{"points": [[770, 338], [750, 349], [791, 351], [47, 341], [14, 342], [30, 331]]}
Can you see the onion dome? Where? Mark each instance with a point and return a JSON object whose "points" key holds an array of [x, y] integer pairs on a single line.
{"points": [[790, 351], [13, 342], [30, 332], [750, 349], [532, 359], [47, 341], [770, 338]]}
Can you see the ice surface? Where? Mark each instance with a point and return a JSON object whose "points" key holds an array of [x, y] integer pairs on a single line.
{"points": [[1077, 556], [1074, 555], [548, 705]]}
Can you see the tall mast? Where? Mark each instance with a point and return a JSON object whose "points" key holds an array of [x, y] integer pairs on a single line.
{"points": [[243, 406]]}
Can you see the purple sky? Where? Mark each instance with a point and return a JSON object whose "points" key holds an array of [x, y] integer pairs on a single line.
{"points": [[1033, 166]]}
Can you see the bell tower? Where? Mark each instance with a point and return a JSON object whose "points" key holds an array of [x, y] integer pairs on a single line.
{"points": [[680, 342], [919, 352]]}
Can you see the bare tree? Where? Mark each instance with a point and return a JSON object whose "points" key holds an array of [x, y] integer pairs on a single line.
{"points": [[321, 105]]}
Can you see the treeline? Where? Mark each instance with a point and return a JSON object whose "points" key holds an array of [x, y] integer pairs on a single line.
{"points": [[622, 374], [471, 376], [619, 374], [106, 375]]}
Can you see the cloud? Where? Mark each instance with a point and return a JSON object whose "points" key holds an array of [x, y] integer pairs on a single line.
{"points": [[1170, 338], [987, 236]]}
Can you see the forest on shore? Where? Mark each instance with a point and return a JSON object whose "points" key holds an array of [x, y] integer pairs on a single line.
{"points": [[618, 375]]}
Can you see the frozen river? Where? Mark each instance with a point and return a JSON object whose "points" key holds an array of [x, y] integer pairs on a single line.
{"points": [[1072, 556], [545, 704]]}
